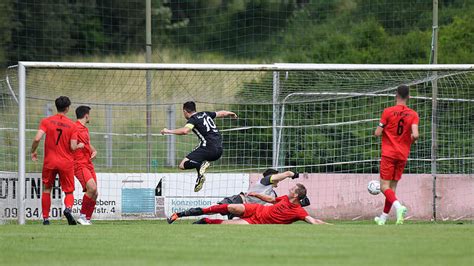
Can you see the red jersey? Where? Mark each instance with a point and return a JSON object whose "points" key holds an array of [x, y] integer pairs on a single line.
{"points": [[83, 156], [396, 137], [60, 130], [282, 212]]}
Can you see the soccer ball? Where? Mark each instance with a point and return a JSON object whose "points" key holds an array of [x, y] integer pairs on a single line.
{"points": [[374, 187]]}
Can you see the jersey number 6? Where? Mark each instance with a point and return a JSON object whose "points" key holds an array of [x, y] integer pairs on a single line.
{"points": [[400, 127]]}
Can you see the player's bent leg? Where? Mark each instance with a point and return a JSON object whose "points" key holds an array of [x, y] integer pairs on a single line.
{"points": [[392, 198], [401, 210], [91, 189], [181, 164], [190, 162], [88, 203]]}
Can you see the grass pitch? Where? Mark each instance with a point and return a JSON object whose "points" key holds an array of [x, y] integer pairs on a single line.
{"points": [[157, 243]]}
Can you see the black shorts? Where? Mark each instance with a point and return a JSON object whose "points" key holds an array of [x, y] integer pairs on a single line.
{"points": [[202, 154], [236, 199]]}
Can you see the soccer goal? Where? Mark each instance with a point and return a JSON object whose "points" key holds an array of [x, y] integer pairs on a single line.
{"points": [[317, 119]]}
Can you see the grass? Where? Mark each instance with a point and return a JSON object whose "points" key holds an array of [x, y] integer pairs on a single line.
{"points": [[157, 243]]}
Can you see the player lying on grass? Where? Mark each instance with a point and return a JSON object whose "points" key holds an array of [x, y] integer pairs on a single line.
{"points": [[264, 186], [210, 148], [399, 129], [285, 210]]}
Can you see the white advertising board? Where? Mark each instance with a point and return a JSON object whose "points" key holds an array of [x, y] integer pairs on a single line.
{"points": [[125, 195]]}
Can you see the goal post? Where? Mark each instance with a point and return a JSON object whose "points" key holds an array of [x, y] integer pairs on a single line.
{"points": [[313, 118]]}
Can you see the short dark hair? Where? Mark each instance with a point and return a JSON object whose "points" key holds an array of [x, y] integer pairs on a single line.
{"points": [[189, 106], [403, 91], [62, 103], [82, 111], [300, 191], [269, 171]]}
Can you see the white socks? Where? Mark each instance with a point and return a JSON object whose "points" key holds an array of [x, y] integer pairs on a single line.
{"points": [[384, 216], [397, 204]]}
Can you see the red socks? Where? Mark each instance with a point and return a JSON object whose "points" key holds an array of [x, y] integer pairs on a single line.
{"points": [[387, 206], [213, 221], [88, 206], [69, 200], [220, 208], [45, 204], [390, 196]]}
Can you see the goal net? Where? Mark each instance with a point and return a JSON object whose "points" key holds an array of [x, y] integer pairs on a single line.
{"points": [[315, 119]]}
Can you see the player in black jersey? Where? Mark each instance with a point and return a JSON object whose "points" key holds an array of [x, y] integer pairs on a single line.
{"points": [[210, 148]]}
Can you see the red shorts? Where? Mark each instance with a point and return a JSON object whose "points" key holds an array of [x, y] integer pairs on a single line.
{"points": [[391, 169], [84, 173], [250, 213], [66, 178]]}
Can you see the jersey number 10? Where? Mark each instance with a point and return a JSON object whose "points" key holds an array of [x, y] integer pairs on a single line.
{"points": [[209, 123]]}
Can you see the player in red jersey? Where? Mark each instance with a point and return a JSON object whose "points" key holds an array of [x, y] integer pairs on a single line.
{"points": [[83, 167], [60, 142], [285, 210], [399, 129]]}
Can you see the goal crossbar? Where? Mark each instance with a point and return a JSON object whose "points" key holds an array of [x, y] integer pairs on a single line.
{"points": [[251, 67]]}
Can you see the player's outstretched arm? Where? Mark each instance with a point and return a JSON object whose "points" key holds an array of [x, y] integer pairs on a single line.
{"points": [[265, 198], [224, 113], [178, 131], [312, 220], [35, 144], [282, 176]]}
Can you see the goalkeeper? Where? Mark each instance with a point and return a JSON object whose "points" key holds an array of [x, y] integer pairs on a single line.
{"points": [[285, 210], [264, 186]]}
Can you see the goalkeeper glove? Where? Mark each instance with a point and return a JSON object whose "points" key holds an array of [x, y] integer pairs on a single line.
{"points": [[296, 175], [304, 202]]}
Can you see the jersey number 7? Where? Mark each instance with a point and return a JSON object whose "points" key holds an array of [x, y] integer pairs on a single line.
{"points": [[59, 134]]}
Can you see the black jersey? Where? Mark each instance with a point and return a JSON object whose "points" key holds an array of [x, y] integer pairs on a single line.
{"points": [[205, 128]]}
